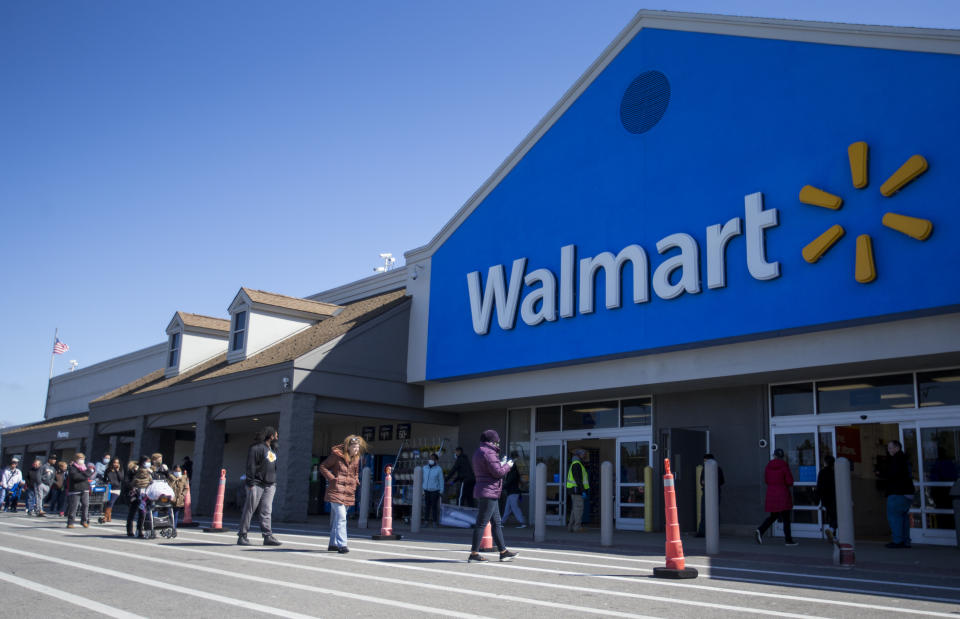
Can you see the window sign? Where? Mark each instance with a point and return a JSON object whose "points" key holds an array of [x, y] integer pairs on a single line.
{"points": [[403, 431], [369, 433], [386, 433]]}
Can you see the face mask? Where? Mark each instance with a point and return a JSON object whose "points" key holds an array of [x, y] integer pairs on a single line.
{"points": [[106, 460], [433, 463], [175, 474], [146, 465], [80, 462]]}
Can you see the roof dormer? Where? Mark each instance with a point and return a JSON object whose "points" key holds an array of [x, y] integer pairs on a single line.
{"points": [[193, 339], [260, 319]]}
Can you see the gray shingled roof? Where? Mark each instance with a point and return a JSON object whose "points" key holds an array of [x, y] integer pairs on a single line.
{"points": [[294, 303], [204, 322], [352, 316]]}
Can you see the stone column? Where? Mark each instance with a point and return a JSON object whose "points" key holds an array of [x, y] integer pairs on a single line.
{"points": [[145, 439], [96, 445], [294, 459], [207, 461]]}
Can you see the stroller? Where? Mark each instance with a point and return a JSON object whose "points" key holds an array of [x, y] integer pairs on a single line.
{"points": [[157, 511]]}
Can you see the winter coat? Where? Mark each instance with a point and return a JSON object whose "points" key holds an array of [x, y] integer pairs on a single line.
{"points": [[341, 477], [143, 478], [179, 486], [779, 481], [77, 479], [894, 472], [60, 480], [511, 483], [261, 465], [432, 478], [11, 477], [48, 474], [33, 477], [115, 479], [827, 488], [461, 471], [488, 471]]}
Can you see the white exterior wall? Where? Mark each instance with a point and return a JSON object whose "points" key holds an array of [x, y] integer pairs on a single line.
{"points": [[196, 348], [70, 393], [265, 329]]}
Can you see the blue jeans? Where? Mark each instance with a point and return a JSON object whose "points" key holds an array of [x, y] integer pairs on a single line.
{"points": [[898, 509], [31, 500], [338, 524]]}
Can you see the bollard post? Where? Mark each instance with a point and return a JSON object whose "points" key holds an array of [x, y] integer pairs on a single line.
{"points": [[416, 502], [187, 511], [540, 504], [845, 555], [676, 565], [701, 491], [606, 504], [364, 517], [648, 499], [386, 523], [217, 525], [711, 507]]}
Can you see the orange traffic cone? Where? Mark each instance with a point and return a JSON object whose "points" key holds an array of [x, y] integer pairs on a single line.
{"points": [[187, 512], [386, 523], [486, 544], [676, 566], [217, 525]]}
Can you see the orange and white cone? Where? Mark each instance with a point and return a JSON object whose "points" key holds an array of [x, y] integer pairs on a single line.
{"points": [[676, 565], [386, 523], [187, 512], [486, 543], [217, 525]]}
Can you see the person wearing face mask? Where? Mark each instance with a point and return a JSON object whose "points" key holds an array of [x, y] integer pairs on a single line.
{"points": [[341, 470], [178, 481], [158, 469], [142, 478], [432, 487], [102, 466], [78, 492], [489, 471], [12, 477], [261, 484], [114, 477]]}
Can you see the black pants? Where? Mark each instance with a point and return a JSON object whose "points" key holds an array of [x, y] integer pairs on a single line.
{"points": [[783, 517], [133, 513], [488, 511], [466, 493], [432, 505]]}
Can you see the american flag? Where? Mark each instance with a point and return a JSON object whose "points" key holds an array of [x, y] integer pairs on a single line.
{"points": [[59, 347]]}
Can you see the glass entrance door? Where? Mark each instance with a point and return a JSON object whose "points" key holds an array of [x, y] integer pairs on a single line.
{"points": [[633, 456], [552, 454]]}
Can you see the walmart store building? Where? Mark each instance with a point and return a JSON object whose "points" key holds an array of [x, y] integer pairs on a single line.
{"points": [[730, 235]]}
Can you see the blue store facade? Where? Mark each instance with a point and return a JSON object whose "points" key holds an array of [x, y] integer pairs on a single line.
{"points": [[730, 235]]}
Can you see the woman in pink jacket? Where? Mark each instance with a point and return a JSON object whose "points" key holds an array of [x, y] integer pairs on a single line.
{"points": [[779, 501]]}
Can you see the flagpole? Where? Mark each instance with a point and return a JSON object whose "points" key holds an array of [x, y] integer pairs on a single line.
{"points": [[56, 333]]}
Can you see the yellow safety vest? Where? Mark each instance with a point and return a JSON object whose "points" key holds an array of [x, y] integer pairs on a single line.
{"points": [[572, 482]]}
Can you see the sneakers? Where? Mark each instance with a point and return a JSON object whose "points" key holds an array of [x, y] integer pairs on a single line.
{"points": [[522, 526], [343, 550], [791, 543], [243, 541], [757, 535], [269, 540], [476, 556], [506, 555]]}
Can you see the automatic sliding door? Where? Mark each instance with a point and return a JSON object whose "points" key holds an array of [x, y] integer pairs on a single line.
{"points": [[551, 454]]}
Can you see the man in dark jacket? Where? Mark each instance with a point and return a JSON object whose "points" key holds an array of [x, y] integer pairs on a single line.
{"points": [[48, 475], [827, 495], [489, 471], [33, 488], [261, 484], [462, 473], [894, 472]]}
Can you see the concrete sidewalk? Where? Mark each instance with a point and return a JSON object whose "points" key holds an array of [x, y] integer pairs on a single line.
{"points": [[934, 561]]}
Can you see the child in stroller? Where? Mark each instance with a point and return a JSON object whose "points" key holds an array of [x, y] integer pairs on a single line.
{"points": [[157, 511]]}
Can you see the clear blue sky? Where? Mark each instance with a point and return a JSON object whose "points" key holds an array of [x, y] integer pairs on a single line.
{"points": [[156, 156]]}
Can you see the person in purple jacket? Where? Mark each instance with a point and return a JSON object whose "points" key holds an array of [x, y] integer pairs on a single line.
{"points": [[489, 470]]}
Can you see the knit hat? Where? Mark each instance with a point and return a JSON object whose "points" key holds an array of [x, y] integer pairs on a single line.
{"points": [[490, 436]]}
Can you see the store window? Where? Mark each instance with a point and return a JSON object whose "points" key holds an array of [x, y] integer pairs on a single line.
{"points": [[548, 419], [796, 399], [801, 457], [866, 394], [591, 415], [518, 442], [239, 329], [941, 388], [636, 412], [174, 356], [634, 458], [939, 449]]}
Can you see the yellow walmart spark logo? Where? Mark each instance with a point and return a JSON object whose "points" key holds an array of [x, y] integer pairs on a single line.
{"points": [[865, 270]]}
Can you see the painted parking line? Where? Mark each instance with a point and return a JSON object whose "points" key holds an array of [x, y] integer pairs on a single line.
{"points": [[355, 597], [82, 567], [60, 594], [514, 581], [667, 583]]}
